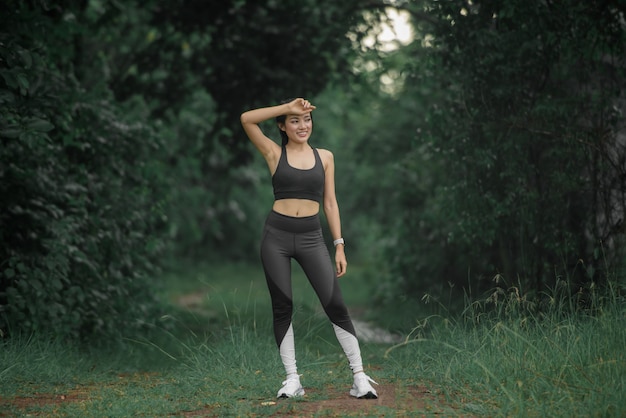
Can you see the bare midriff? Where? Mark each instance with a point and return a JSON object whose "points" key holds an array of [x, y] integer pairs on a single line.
{"points": [[297, 208]]}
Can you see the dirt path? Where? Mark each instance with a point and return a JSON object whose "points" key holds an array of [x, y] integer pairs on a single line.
{"points": [[398, 400], [414, 402]]}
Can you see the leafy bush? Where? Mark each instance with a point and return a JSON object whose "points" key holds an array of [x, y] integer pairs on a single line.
{"points": [[80, 199]]}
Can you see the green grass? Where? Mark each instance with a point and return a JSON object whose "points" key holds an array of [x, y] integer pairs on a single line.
{"points": [[506, 358], [218, 357]]}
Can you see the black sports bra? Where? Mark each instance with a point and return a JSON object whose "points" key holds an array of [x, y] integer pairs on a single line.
{"points": [[294, 183]]}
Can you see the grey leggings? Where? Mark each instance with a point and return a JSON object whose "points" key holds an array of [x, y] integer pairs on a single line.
{"points": [[284, 238]]}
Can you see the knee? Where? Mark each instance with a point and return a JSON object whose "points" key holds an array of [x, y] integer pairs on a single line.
{"points": [[283, 309], [337, 311]]}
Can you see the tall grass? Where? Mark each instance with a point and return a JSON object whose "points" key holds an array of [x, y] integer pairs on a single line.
{"points": [[509, 354]]}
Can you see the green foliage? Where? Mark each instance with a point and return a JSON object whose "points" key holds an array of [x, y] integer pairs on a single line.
{"points": [[492, 149], [80, 198], [120, 126], [196, 67], [516, 163]]}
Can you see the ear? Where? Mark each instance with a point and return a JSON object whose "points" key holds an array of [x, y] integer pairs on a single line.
{"points": [[281, 126]]}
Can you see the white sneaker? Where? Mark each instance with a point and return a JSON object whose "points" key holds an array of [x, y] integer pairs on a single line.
{"points": [[291, 387], [361, 388]]}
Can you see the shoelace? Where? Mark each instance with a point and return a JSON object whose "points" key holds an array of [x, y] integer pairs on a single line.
{"points": [[367, 378], [294, 379]]}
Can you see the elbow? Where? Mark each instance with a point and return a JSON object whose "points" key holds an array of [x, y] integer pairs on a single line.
{"points": [[247, 118], [330, 206]]}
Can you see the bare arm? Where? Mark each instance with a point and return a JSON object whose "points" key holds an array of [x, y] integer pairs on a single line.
{"points": [[331, 210], [251, 119]]}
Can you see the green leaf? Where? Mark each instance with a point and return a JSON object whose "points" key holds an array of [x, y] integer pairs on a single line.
{"points": [[9, 273], [23, 83], [11, 131], [6, 97], [26, 57], [56, 284], [9, 78], [36, 284], [38, 125]]}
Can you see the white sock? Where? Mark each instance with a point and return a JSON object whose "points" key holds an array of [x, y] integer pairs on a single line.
{"points": [[350, 346], [288, 352]]}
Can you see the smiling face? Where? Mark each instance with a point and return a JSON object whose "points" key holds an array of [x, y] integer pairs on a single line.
{"points": [[297, 128]]}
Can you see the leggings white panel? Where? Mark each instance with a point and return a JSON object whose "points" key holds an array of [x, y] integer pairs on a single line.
{"points": [[350, 346], [288, 352]]}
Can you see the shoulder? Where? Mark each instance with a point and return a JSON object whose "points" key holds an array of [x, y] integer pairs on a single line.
{"points": [[327, 157], [325, 154]]}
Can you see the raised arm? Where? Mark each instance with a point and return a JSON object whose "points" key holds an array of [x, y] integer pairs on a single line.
{"points": [[251, 119]]}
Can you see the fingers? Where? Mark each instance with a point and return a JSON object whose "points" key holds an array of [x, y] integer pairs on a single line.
{"points": [[304, 105], [307, 105], [341, 267]]}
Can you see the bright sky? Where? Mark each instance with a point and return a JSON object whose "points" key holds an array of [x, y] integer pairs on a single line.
{"points": [[393, 35], [400, 31]]}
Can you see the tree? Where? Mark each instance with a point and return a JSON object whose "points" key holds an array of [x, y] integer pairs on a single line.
{"points": [[79, 196], [525, 146]]}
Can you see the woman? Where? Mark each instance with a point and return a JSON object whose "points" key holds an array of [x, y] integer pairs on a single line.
{"points": [[303, 177]]}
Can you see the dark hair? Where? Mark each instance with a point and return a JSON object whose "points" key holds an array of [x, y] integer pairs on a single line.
{"points": [[283, 119]]}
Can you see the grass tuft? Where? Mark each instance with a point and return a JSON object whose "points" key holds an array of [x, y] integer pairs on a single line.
{"points": [[515, 356]]}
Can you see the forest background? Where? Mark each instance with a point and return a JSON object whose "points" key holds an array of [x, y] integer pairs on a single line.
{"points": [[487, 151]]}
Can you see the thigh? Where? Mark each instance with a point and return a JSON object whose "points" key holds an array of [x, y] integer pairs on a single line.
{"points": [[312, 254], [276, 252]]}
